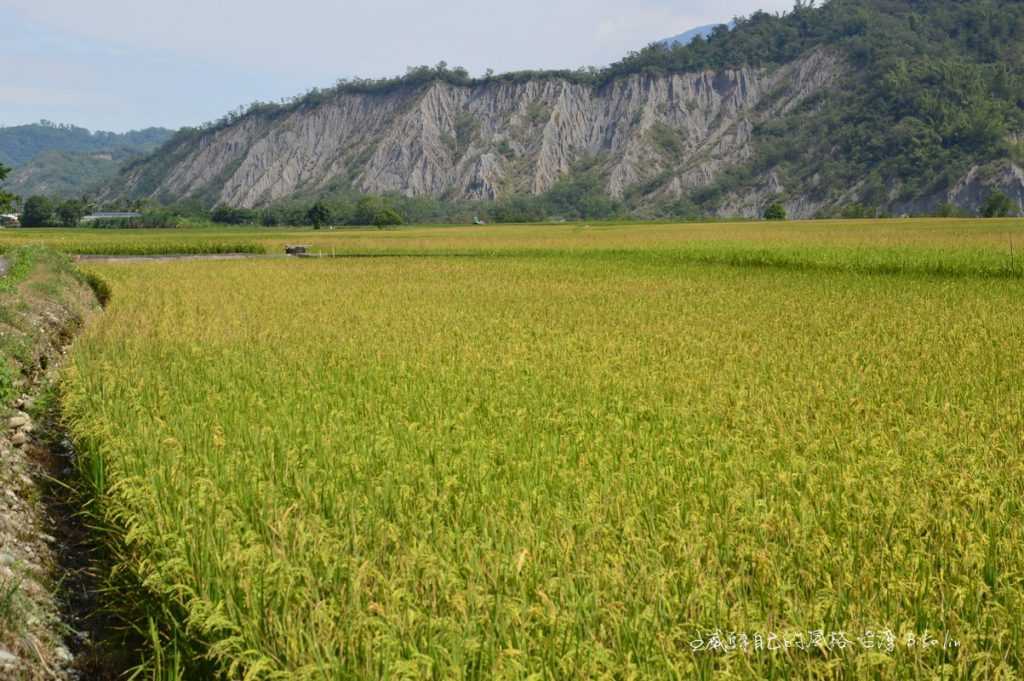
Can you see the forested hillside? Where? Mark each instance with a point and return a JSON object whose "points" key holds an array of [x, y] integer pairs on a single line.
{"points": [[65, 160], [68, 174], [854, 107], [935, 89], [20, 144]]}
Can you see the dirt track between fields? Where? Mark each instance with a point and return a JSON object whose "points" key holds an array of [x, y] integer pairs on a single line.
{"points": [[167, 258]]}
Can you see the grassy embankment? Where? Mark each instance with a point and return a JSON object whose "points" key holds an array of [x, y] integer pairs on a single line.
{"points": [[42, 297]]}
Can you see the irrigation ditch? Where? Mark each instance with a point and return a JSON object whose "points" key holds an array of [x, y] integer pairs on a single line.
{"points": [[55, 570]]}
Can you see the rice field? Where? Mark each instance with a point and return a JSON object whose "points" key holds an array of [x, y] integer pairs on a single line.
{"points": [[85, 241], [630, 455], [1002, 239]]}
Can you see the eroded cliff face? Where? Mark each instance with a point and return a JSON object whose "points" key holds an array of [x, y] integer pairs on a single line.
{"points": [[661, 135]]}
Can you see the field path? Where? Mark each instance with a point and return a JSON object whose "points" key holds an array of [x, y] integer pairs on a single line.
{"points": [[167, 258]]}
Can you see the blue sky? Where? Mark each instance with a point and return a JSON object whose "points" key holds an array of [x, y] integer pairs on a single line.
{"points": [[122, 64]]}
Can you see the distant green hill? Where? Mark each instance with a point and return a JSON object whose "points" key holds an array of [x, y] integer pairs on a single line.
{"points": [[67, 173], [20, 144], [65, 160]]}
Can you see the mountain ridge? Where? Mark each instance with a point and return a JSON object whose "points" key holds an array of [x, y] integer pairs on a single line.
{"points": [[908, 113], [410, 143]]}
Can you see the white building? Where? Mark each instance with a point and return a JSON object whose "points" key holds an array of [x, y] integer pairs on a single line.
{"points": [[111, 216]]}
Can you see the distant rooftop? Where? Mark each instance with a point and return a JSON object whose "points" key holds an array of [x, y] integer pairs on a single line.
{"points": [[111, 216]]}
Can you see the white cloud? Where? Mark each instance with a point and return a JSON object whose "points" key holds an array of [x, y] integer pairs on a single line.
{"points": [[374, 37], [180, 59]]}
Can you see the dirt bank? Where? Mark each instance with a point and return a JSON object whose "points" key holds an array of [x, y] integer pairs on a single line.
{"points": [[43, 302]]}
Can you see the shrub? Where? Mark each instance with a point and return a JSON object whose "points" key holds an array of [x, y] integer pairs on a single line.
{"points": [[38, 212], [667, 139], [226, 215], [387, 217], [318, 215], [366, 210], [997, 205], [158, 219], [776, 211], [70, 213], [519, 209], [6, 200]]}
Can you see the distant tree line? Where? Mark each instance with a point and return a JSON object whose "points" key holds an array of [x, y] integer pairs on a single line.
{"points": [[367, 211], [41, 211], [567, 202]]}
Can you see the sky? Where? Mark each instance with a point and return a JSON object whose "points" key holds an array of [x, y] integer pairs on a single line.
{"points": [[129, 64]]}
